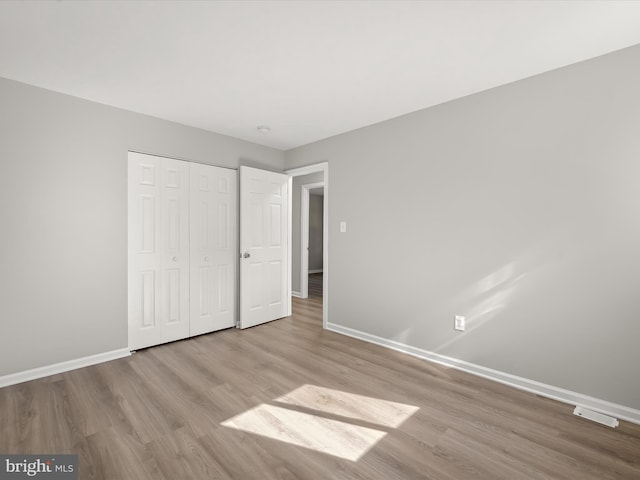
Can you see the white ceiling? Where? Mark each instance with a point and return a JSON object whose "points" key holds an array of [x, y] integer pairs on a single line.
{"points": [[309, 70]]}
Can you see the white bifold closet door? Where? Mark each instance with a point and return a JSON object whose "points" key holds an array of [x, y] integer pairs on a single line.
{"points": [[213, 248], [158, 250], [182, 249]]}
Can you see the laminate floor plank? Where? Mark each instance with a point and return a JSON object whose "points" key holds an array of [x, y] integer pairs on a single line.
{"points": [[557, 464], [110, 455], [229, 446], [181, 455], [146, 414], [288, 400]]}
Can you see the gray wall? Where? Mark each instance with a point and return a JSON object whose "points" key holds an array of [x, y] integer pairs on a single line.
{"points": [[296, 191], [315, 231], [63, 212], [518, 207]]}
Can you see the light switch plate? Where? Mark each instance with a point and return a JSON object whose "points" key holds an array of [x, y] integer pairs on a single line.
{"points": [[343, 227], [459, 323]]}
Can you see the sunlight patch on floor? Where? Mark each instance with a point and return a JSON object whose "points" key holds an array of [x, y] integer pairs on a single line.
{"points": [[305, 430], [317, 428], [358, 407]]}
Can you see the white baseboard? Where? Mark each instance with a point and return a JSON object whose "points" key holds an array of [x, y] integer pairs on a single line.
{"points": [[319, 270], [62, 367], [560, 394], [296, 294]]}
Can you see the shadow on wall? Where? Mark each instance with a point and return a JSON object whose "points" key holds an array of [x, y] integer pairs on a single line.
{"points": [[480, 303], [490, 295], [484, 300]]}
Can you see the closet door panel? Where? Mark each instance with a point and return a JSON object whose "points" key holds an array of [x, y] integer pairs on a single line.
{"points": [[201, 303], [175, 255], [145, 256], [213, 248], [226, 247], [158, 236]]}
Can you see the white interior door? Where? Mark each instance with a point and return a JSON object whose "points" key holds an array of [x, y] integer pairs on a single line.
{"points": [[213, 248], [264, 246], [158, 237]]}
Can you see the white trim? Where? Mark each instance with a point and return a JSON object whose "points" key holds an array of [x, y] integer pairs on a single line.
{"points": [[556, 393], [304, 236], [62, 367], [324, 168], [289, 244], [295, 294], [317, 270], [304, 242], [316, 167]]}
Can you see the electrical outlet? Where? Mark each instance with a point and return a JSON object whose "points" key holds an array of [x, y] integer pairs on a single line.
{"points": [[459, 323]]}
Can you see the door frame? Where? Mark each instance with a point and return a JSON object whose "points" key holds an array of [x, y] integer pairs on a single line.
{"points": [[304, 236], [296, 172]]}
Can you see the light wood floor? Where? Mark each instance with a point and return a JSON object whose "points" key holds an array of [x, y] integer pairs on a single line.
{"points": [[288, 400]]}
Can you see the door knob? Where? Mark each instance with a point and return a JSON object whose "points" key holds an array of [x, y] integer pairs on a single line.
{"points": [[246, 255], [175, 259], [206, 259]]}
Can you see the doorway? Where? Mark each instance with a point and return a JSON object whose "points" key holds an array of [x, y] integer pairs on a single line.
{"points": [[305, 182], [311, 233]]}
